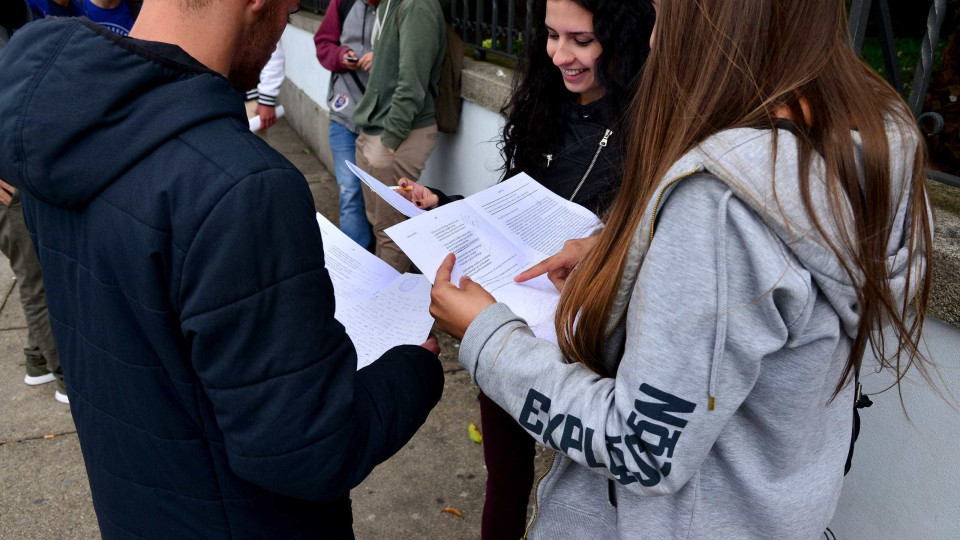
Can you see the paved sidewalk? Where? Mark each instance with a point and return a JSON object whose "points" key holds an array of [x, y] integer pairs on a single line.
{"points": [[44, 492]]}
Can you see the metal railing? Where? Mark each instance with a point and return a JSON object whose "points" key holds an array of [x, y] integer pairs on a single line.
{"points": [[499, 27], [316, 6], [860, 11]]}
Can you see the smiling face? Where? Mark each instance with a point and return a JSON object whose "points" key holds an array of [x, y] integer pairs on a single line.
{"points": [[574, 48]]}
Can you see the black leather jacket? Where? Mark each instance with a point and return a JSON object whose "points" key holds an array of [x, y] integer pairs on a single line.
{"points": [[566, 166]]}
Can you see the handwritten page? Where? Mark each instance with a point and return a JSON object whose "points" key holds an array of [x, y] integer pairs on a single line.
{"points": [[395, 200], [397, 315], [378, 307], [496, 234], [357, 274]]}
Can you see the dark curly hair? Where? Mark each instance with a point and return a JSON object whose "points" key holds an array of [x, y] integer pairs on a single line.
{"points": [[534, 111]]}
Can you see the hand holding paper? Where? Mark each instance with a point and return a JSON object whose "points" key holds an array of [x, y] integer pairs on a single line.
{"points": [[255, 121], [454, 308], [495, 235], [395, 200], [378, 307]]}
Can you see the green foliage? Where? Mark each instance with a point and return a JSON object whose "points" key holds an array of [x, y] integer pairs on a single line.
{"points": [[908, 55], [518, 46]]}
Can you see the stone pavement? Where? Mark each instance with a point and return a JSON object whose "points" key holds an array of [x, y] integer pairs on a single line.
{"points": [[44, 492]]}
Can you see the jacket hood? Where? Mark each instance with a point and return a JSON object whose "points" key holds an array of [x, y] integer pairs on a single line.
{"points": [[80, 106], [768, 182]]}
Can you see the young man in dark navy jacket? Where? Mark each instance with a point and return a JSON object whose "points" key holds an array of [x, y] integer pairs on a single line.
{"points": [[214, 394]]}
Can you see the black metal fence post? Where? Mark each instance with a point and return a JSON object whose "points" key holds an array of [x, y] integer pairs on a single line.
{"points": [[316, 6], [859, 15], [938, 12]]}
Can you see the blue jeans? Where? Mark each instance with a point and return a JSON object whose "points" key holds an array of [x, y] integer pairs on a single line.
{"points": [[353, 216]]}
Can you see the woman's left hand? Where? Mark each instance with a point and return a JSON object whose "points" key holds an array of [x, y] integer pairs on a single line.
{"points": [[455, 308]]}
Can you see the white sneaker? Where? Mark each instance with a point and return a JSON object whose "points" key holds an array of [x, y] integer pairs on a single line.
{"points": [[41, 379], [61, 397]]}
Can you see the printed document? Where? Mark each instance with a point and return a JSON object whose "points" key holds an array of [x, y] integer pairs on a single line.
{"points": [[496, 234], [379, 307]]}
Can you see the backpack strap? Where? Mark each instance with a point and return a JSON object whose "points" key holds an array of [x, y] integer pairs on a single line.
{"points": [[343, 10], [360, 85]]}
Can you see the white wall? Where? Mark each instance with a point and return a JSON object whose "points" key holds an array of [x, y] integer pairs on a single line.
{"points": [[467, 161], [905, 480], [302, 67]]}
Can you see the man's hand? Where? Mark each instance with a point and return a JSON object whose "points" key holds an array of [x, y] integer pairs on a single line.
{"points": [[417, 194], [268, 116], [558, 267], [352, 65], [455, 308], [366, 61], [6, 193], [432, 345]]}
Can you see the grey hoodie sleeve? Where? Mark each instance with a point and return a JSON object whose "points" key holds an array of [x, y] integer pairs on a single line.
{"points": [[716, 294]]}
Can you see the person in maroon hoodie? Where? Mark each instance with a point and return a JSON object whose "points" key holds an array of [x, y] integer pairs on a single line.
{"points": [[344, 47]]}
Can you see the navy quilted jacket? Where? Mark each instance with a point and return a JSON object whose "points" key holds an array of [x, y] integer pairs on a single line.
{"points": [[214, 394]]}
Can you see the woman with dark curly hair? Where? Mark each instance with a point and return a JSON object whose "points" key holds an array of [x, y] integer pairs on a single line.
{"points": [[570, 93], [564, 129], [594, 50]]}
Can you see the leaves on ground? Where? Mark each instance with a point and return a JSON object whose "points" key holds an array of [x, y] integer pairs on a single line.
{"points": [[474, 433], [454, 511]]}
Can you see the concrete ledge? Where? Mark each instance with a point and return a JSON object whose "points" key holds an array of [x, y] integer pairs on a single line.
{"points": [[945, 290], [485, 84], [306, 20]]}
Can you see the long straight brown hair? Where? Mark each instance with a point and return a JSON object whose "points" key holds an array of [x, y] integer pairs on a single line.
{"points": [[721, 64]]}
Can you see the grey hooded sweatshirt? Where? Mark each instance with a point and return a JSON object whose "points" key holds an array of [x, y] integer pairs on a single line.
{"points": [[730, 331]]}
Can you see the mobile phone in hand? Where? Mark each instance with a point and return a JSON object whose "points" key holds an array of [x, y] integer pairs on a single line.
{"points": [[350, 58]]}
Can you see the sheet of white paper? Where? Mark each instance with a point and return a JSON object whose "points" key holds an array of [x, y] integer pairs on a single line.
{"points": [[255, 121], [533, 217], [496, 234], [483, 254], [397, 315], [357, 274], [482, 251], [395, 200]]}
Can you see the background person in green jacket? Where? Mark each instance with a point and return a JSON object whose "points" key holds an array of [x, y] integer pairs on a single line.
{"points": [[396, 114]]}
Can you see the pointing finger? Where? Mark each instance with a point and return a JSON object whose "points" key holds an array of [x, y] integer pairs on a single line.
{"points": [[538, 269]]}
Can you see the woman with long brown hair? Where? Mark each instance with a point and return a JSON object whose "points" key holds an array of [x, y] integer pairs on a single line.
{"points": [[564, 127], [772, 227]]}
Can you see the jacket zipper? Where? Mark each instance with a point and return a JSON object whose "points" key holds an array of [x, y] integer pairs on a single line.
{"points": [[603, 144], [653, 220], [536, 505], [536, 487]]}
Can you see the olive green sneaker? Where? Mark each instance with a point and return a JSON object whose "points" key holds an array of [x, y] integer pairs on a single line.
{"points": [[38, 374], [61, 394]]}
